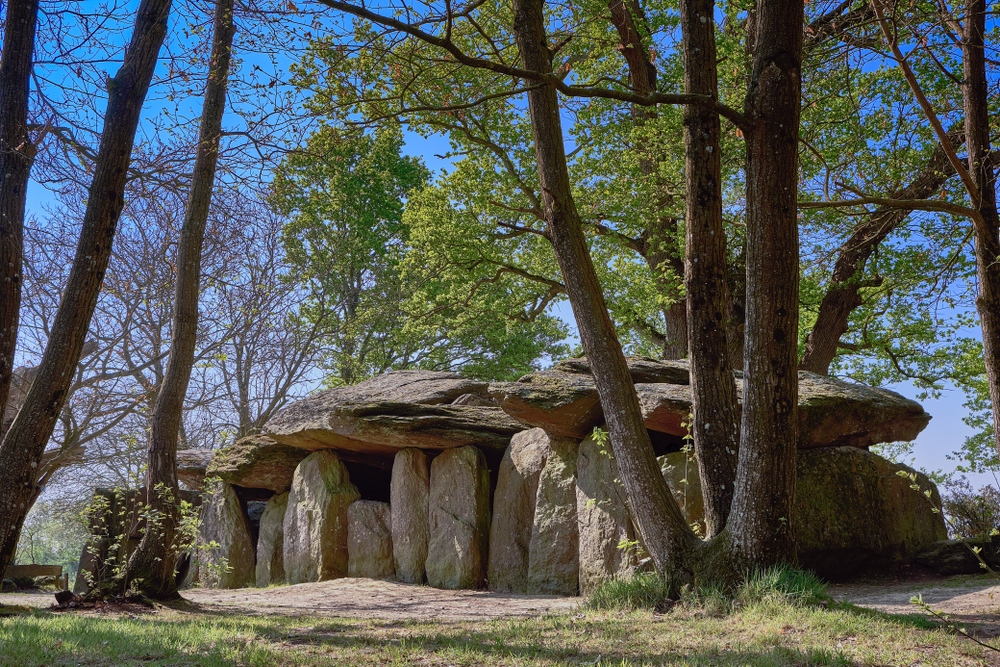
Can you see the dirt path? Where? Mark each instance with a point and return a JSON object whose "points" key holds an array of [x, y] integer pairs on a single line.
{"points": [[968, 599]]}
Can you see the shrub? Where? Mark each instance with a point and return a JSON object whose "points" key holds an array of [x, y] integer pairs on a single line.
{"points": [[971, 513]]}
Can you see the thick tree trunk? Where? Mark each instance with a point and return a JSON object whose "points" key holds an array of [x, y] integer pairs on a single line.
{"points": [[759, 528], [713, 387], [844, 292], [151, 568], [16, 156], [22, 447], [977, 131], [666, 535]]}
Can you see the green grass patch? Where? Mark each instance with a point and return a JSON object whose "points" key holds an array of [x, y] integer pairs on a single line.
{"points": [[767, 631]]}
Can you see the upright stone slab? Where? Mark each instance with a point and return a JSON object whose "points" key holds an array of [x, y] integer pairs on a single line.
{"points": [[680, 471], [553, 553], [459, 519], [231, 564], [369, 540], [514, 510], [408, 496], [315, 524], [271, 542], [603, 517]]}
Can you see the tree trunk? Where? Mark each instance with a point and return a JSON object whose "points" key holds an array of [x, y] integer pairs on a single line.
{"points": [[844, 292], [659, 240], [151, 568], [713, 387], [16, 156], [760, 531], [22, 447], [977, 133], [666, 534]]}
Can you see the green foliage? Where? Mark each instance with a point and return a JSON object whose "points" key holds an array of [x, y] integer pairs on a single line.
{"points": [[53, 534], [971, 513], [375, 288]]}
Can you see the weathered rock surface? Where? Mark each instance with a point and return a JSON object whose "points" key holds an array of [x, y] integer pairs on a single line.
{"points": [[553, 553], [271, 542], [603, 518], [837, 413], [853, 512], [409, 494], [315, 524], [514, 510], [257, 462], [232, 563], [369, 540], [680, 470], [191, 466], [459, 519], [956, 557], [831, 412], [380, 416]]}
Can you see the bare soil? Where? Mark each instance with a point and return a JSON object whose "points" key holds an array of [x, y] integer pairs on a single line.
{"points": [[967, 599]]}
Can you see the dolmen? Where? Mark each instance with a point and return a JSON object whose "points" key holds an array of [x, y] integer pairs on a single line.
{"points": [[429, 477]]}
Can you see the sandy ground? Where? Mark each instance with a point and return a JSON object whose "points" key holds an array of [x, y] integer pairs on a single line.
{"points": [[966, 599]]}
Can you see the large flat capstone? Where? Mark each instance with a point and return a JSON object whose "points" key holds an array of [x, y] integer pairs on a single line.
{"points": [[831, 412], [371, 421]]}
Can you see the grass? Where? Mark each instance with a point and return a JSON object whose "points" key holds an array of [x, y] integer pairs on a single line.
{"points": [[761, 628]]}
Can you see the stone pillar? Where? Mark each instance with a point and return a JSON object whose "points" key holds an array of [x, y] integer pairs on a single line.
{"points": [[514, 510], [369, 540], [232, 563], [459, 519], [408, 495], [553, 554], [315, 525], [271, 542]]}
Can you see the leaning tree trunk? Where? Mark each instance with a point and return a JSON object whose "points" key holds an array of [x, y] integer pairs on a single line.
{"points": [[151, 568], [667, 537], [843, 294], [759, 529], [16, 156], [23, 444], [977, 131], [713, 387]]}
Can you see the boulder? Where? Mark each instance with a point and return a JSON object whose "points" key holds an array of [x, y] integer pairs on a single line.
{"points": [[315, 524], [831, 412], [369, 540], [949, 557], [514, 510], [602, 518], [459, 519], [256, 462], [271, 542], [191, 466], [408, 495], [553, 553], [371, 421], [853, 512], [232, 563]]}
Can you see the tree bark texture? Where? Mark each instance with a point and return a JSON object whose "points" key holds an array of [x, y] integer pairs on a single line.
{"points": [[23, 444], [16, 156], [843, 294], [659, 243], [760, 531], [667, 536], [713, 387], [151, 567], [977, 134]]}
